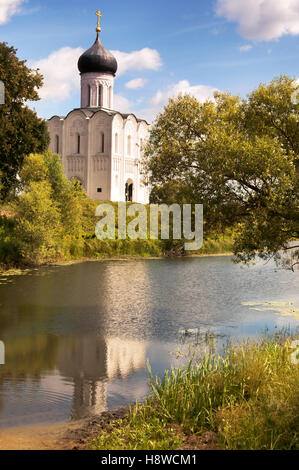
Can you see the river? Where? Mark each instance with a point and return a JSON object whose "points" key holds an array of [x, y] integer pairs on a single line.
{"points": [[77, 338]]}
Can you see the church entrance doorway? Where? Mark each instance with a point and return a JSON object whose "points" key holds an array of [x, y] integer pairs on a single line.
{"points": [[129, 191]]}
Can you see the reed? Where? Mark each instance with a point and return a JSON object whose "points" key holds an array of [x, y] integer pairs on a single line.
{"points": [[247, 395]]}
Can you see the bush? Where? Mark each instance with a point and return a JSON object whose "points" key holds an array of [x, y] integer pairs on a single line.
{"points": [[8, 250], [37, 230], [47, 223]]}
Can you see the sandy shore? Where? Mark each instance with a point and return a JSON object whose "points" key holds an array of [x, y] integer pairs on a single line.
{"points": [[77, 435], [74, 435]]}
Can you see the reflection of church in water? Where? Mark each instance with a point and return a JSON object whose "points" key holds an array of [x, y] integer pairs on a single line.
{"points": [[109, 345], [82, 344], [92, 362], [99, 146]]}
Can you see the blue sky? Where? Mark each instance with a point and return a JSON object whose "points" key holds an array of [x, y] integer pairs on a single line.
{"points": [[163, 47]]}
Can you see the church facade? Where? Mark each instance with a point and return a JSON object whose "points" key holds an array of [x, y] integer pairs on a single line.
{"points": [[99, 146]]}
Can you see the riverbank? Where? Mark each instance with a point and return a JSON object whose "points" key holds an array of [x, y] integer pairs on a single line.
{"points": [[79, 435], [48, 437], [245, 399], [6, 270], [75, 435], [29, 240]]}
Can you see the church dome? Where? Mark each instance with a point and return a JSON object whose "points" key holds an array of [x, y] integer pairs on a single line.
{"points": [[97, 59]]}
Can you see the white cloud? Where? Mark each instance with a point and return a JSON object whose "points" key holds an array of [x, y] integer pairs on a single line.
{"points": [[61, 76], [8, 8], [60, 72], [262, 20], [201, 92], [245, 48], [149, 113], [122, 104], [136, 83], [138, 60]]}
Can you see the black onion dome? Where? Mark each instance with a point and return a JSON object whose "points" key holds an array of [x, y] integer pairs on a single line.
{"points": [[97, 59]]}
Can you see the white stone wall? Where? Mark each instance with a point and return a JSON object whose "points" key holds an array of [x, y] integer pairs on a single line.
{"points": [[117, 184], [126, 161], [107, 166], [55, 127], [143, 136], [100, 156]]}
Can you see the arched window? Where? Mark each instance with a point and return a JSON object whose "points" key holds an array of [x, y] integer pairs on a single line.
{"points": [[100, 99], [89, 95], [102, 142], [116, 143], [57, 143], [129, 150], [78, 143]]}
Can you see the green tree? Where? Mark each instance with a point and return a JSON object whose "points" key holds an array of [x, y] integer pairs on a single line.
{"points": [[237, 157], [37, 230], [68, 197], [48, 212], [21, 131]]}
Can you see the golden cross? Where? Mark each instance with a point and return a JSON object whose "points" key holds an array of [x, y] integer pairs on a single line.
{"points": [[99, 15]]}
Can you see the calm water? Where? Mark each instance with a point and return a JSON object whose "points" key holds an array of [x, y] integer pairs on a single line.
{"points": [[78, 337]]}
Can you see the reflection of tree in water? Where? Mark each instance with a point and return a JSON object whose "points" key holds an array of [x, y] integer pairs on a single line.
{"points": [[28, 357]]}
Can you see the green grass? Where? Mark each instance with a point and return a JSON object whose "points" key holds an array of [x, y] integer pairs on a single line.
{"points": [[248, 396], [218, 244], [137, 432]]}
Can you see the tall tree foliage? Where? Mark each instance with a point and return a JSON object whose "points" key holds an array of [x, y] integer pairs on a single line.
{"points": [[47, 222], [21, 131], [240, 158]]}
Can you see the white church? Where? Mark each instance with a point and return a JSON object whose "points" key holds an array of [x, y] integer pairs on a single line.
{"points": [[101, 147]]}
